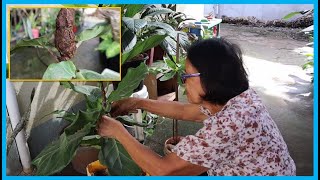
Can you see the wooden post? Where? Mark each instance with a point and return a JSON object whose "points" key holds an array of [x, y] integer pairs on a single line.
{"points": [[175, 121]]}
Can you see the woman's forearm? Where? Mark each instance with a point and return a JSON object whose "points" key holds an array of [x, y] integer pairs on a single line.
{"points": [[145, 158], [172, 109]]}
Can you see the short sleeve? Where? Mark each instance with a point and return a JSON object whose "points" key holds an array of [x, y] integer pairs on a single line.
{"points": [[210, 146]]}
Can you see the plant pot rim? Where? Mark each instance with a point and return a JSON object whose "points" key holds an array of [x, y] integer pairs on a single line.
{"points": [[169, 140], [145, 57]]}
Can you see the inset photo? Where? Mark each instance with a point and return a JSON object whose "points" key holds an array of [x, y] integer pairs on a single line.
{"points": [[64, 43]]}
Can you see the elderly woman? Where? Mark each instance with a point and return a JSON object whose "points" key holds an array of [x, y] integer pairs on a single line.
{"points": [[238, 136]]}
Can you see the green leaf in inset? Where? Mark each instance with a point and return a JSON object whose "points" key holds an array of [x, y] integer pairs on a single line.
{"points": [[91, 75], [110, 74], [113, 49], [64, 70], [117, 159], [91, 33], [104, 45], [41, 42], [57, 155], [143, 46], [129, 83]]}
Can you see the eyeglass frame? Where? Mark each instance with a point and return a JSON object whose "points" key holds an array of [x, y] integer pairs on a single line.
{"points": [[184, 77]]}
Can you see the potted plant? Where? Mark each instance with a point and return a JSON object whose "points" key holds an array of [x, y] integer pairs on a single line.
{"points": [[34, 21], [59, 153]]}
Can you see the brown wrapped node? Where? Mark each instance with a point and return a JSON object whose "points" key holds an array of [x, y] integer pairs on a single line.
{"points": [[64, 36]]}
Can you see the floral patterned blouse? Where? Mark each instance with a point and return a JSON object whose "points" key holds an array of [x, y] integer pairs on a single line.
{"points": [[241, 139]]}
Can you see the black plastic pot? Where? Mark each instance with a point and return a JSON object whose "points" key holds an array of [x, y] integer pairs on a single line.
{"points": [[132, 64], [110, 63]]}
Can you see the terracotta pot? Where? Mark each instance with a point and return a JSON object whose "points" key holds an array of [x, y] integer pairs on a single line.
{"points": [[83, 157], [169, 144]]}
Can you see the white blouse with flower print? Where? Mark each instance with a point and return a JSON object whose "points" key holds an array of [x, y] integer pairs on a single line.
{"points": [[241, 139]]}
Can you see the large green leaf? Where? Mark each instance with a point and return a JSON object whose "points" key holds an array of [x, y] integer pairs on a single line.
{"points": [[117, 159], [156, 11], [42, 42], [93, 93], [129, 83], [92, 140], [167, 76], [134, 24], [113, 50], [68, 116], [133, 9], [103, 46], [128, 120], [57, 155], [91, 33], [128, 41], [170, 63], [83, 118], [143, 46], [107, 75], [64, 70], [169, 29]]}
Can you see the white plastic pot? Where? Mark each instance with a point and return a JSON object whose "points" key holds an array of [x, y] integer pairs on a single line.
{"points": [[135, 131]]}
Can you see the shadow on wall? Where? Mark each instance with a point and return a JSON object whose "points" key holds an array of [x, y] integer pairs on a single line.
{"points": [[49, 96], [41, 129]]}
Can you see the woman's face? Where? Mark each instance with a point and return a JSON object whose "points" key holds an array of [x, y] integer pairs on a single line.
{"points": [[193, 85]]}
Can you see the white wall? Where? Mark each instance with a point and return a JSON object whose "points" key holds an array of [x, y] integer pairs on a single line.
{"points": [[195, 11], [260, 11]]}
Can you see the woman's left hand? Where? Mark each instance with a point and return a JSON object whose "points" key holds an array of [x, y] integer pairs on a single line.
{"points": [[109, 127]]}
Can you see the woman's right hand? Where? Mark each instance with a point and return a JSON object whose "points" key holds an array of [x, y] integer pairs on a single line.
{"points": [[124, 107]]}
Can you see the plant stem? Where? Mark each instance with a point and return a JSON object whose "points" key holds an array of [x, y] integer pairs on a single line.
{"points": [[104, 101], [37, 50]]}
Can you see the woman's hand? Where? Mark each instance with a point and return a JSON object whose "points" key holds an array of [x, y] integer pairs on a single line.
{"points": [[124, 107], [109, 127]]}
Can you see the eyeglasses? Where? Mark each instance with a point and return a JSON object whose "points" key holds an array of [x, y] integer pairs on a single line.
{"points": [[186, 76]]}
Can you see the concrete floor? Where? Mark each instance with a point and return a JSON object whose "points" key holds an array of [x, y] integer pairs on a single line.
{"points": [[274, 68]]}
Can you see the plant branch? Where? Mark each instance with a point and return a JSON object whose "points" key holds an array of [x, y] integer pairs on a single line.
{"points": [[52, 54], [40, 59], [104, 99], [22, 123]]}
